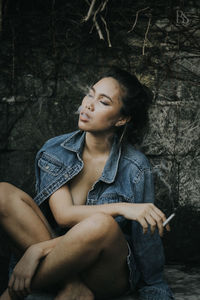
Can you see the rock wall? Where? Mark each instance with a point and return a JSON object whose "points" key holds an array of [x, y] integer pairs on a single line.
{"points": [[51, 50]]}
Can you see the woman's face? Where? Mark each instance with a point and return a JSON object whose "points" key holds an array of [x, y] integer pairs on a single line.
{"points": [[100, 109]]}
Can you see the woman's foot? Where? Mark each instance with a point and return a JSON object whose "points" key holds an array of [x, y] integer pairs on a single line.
{"points": [[75, 290], [5, 295]]}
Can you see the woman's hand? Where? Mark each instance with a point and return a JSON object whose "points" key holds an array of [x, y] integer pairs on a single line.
{"points": [[145, 213], [20, 281]]}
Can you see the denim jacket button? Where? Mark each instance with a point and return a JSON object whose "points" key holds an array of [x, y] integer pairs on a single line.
{"points": [[45, 193], [47, 167]]}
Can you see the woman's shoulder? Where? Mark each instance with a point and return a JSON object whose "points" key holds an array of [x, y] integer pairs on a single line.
{"points": [[135, 157]]}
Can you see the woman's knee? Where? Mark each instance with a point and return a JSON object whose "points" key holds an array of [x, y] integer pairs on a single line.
{"points": [[100, 226], [9, 197]]}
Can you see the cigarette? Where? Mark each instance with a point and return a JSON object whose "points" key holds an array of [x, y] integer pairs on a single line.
{"points": [[168, 219]]}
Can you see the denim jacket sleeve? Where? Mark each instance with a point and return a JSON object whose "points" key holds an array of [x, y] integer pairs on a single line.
{"points": [[148, 249]]}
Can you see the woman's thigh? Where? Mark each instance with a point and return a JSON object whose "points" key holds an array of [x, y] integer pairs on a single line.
{"points": [[95, 250], [21, 218], [109, 276]]}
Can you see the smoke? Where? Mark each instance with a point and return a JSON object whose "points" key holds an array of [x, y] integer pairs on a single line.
{"points": [[78, 110]]}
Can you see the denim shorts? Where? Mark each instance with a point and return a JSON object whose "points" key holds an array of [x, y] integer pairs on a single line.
{"points": [[134, 273]]}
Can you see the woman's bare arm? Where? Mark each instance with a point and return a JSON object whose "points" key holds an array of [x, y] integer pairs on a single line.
{"points": [[67, 214], [19, 284]]}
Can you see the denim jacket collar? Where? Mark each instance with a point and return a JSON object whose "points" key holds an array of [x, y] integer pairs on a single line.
{"points": [[76, 142]]}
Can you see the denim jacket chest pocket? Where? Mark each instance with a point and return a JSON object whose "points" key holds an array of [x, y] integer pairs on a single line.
{"points": [[50, 165], [52, 174], [49, 174]]}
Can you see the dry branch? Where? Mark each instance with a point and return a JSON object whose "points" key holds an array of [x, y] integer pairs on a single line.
{"points": [[90, 11], [107, 31], [97, 12], [1, 14], [136, 18], [145, 37], [98, 30]]}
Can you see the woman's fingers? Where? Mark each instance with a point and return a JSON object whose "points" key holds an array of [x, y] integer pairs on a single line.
{"points": [[22, 288], [17, 289], [152, 223], [159, 222], [155, 218], [159, 213], [163, 217], [146, 214], [168, 227], [28, 285], [14, 288], [144, 224]]}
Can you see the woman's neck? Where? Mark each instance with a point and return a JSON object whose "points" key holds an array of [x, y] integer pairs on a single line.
{"points": [[98, 144]]}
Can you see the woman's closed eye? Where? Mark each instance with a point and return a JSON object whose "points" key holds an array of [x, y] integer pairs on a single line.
{"points": [[104, 102]]}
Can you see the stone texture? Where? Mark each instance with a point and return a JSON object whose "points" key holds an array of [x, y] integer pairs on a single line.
{"points": [[188, 130], [23, 174], [160, 138], [32, 124], [165, 173], [189, 181], [3, 125]]}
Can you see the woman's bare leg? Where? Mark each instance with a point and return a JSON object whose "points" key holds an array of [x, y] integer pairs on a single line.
{"points": [[21, 217], [22, 220], [96, 250], [5, 295]]}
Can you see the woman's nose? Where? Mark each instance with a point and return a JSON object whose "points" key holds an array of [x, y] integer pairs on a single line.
{"points": [[90, 105]]}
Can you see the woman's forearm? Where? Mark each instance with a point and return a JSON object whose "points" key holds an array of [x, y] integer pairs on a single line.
{"points": [[20, 280], [76, 213], [144, 213]]}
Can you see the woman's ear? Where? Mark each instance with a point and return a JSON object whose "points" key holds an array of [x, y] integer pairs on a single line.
{"points": [[122, 121]]}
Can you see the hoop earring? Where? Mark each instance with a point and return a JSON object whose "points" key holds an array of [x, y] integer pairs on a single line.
{"points": [[123, 133]]}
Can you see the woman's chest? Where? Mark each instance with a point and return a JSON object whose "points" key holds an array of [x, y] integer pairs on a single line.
{"points": [[82, 183]]}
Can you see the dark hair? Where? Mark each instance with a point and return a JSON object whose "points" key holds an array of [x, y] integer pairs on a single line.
{"points": [[136, 102]]}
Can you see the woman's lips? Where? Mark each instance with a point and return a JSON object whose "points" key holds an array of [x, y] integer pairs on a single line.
{"points": [[84, 117]]}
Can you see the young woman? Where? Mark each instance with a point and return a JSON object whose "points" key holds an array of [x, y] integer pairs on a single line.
{"points": [[96, 192]]}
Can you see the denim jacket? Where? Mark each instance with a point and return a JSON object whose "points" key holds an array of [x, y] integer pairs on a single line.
{"points": [[126, 177]]}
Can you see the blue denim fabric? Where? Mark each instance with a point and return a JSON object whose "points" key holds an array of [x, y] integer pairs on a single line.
{"points": [[126, 177]]}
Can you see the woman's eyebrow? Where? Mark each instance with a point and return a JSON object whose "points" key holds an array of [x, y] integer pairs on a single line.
{"points": [[104, 95]]}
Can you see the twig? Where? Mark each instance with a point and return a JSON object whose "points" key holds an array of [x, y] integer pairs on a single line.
{"points": [[92, 28], [104, 5], [107, 31], [96, 12], [13, 60], [98, 30], [89, 11], [53, 27], [1, 15], [145, 37], [136, 18]]}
